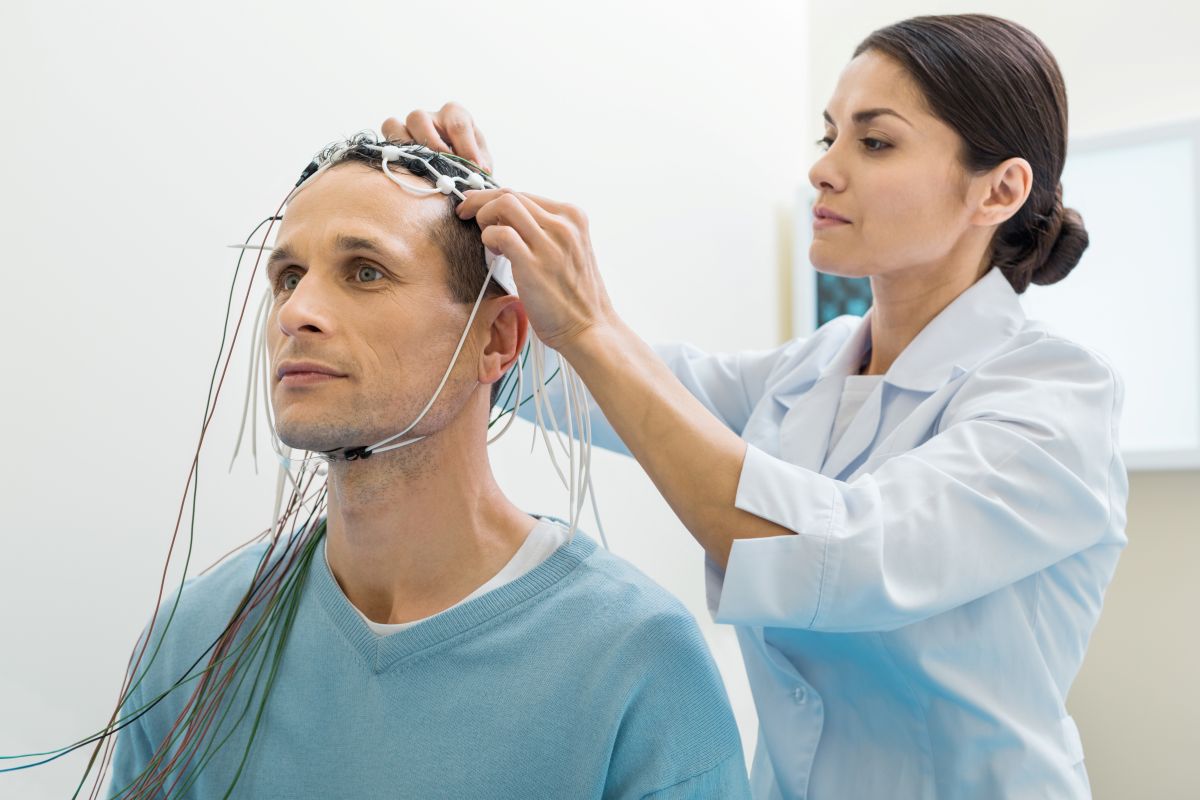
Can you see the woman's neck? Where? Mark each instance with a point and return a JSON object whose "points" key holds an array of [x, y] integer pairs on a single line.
{"points": [[905, 302]]}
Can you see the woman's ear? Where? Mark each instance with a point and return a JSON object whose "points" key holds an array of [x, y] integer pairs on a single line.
{"points": [[1002, 192], [506, 337]]}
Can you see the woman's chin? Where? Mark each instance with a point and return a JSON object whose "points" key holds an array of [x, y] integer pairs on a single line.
{"points": [[831, 263]]}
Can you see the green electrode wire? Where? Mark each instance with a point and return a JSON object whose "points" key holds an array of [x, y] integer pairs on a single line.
{"points": [[113, 726], [237, 652], [250, 640], [144, 670], [275, 625]]}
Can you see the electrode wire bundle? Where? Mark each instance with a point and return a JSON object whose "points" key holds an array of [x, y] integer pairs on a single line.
{"points": [[252, 643]]}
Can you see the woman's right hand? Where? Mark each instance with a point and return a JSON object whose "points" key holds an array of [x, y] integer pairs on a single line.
{"points": [[448, 130]]}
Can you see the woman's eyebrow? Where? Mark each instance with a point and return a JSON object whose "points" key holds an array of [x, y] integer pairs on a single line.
{"points": [[867, 115]]}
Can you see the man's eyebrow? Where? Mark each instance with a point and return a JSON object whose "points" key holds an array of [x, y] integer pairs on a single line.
{"points": [[278, 254], [868, 114], [343, 242]]}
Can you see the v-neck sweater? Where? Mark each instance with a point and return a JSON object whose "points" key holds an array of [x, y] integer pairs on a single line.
{"points": [[581, 679]]}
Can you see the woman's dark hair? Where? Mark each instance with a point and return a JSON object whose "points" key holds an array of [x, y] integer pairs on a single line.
{"points": [[998, 86]]}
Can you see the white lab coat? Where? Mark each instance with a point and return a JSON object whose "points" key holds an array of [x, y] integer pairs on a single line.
{"points": [[917, 636]]}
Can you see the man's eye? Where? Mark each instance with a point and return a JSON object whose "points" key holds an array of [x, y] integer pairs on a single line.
{"points": [[288, 281], [368, 274]]}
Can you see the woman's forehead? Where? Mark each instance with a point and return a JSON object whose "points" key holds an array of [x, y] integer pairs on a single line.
{"points": [[873, 80]]}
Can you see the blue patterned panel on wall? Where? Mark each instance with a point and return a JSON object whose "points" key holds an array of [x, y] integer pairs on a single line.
{"points": [[837, 296]]}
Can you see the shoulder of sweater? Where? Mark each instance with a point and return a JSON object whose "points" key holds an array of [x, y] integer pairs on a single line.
{"points": [[196, 612], [626, 599]]}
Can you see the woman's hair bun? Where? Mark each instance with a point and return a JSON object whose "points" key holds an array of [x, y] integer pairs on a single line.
{"points": [[1065, 250]]}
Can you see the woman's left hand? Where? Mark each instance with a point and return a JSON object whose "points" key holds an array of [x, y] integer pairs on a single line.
{"points": [[553, 263]]}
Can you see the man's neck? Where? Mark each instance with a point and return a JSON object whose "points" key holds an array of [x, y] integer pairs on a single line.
{"points": [[413, 531]]}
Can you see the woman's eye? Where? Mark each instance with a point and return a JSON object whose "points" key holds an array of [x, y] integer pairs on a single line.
{"points": [[874, 145], [824, 143], [368, 274]]}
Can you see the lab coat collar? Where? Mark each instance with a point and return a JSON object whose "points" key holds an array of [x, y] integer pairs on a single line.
{"points": [[977, 322]]}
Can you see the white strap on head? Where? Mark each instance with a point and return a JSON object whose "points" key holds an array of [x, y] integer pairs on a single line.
{"points": [[501, 268], [574, 441], [501, 271]]}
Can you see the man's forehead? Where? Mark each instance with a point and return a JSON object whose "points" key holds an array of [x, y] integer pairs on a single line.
{"points": [[357, 201]]}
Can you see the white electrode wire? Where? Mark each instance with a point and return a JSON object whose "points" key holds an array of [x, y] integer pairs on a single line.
{"points": [[260, 354], [282, 452], [539, 401], [572, 469], [592, 493], [564, 373], [512, 415], [418, 189], [579, 406], [577, 474], [251, 397], [578, 421], [379, 447], [575, 441]]}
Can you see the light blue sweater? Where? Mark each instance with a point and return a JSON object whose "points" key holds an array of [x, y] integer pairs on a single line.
{"points": [[581, 679]]}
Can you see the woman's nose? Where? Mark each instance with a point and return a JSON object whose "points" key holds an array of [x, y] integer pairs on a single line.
{"points": [[826, 174]]}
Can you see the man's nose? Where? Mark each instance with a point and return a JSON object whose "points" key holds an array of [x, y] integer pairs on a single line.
{"points": [[306, 310]]}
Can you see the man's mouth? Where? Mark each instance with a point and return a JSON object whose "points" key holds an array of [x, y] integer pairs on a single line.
{"points": [[304, 373]]}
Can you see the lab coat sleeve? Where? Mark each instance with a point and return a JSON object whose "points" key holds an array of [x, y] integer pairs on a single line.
{"points": [[1023, 473], [729, 385]]}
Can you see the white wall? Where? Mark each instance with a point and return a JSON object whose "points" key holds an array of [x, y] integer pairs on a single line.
{"points": [[1126, 65], [141, 137]]}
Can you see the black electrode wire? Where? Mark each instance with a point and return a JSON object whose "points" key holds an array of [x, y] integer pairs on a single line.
{"points": [[199, 701], [294, 545], [253, 598], [213, 746], [193, 483], [59, 752], [132, 717], [187, 678], [281, 593], [247, 606], [193, 474], [279, 630], [252, 642]]}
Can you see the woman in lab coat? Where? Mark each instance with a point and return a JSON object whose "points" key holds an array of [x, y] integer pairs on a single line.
{"points": [[910, 518]]}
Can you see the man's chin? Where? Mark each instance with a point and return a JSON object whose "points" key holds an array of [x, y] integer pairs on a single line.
{"points": [[319, 439]]}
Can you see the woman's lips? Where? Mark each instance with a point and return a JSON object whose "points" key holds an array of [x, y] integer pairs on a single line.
{"points": [[825, 218]]}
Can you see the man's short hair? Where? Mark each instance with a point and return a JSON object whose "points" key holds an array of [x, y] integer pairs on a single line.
{"points": [[461, 241]]}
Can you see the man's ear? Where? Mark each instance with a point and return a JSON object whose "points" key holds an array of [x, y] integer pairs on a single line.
{"points": [[1002, 191], [506, 337]]}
